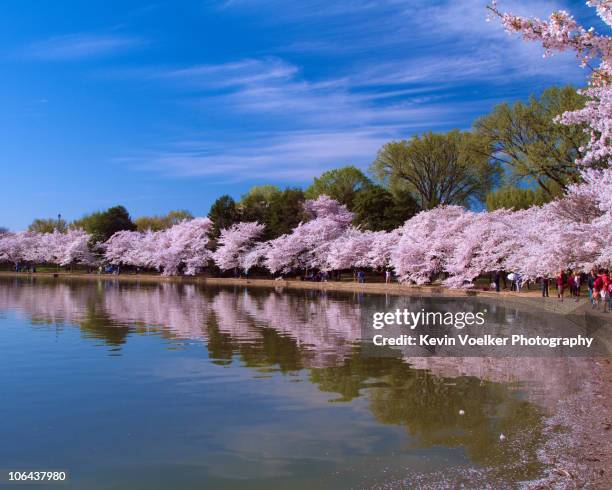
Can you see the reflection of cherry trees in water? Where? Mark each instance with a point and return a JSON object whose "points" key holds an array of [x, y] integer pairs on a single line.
{"points": [[319, 327], [104, 309], [292, 331]]}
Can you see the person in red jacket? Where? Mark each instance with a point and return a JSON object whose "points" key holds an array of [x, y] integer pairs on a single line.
{"points": [[609, 290], [560, 284], [605, 290]]}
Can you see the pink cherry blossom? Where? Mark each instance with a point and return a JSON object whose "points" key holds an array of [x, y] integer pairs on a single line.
{"points": [[234, 244], [57, 248], [562, 33], [307, 246], [349, 250], [426, 242], [183, 245]]}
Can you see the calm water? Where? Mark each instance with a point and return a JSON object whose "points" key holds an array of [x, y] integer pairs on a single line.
{"points": [[176, 386]]}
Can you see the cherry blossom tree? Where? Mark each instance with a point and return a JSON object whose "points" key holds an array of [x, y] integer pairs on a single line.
{"points": [[307, 246], [579, 224], [234, 244], [255, 256], [426, 242], [11, 248], [122, 248], [183, 245], [39, 248], [349, 250], [482, 246], [382, 244], [71, 247]]}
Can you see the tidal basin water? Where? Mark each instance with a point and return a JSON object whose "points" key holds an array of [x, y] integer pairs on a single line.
{"points": [[158, 386]]}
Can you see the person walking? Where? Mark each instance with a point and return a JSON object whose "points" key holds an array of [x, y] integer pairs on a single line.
{"points": [[609, 290], [598, 287], [361, 277], [544, 286], [511, 278], [497, 280], [570, 284], [605, 291], [591, 285], [577, 282], [560, 284]]}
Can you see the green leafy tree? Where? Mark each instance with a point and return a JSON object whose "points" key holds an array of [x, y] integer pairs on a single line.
{"points": [[438, 168], [101, 225], [280, 211], [261, 192], [157, 223], [48, 225], [526, 140], [511, 197], [223, 214], [378, 209], [255, 204], [285, 212], [342, 184]]}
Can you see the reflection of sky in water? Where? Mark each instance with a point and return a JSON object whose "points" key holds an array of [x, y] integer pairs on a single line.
{"points": [[219, 387]]}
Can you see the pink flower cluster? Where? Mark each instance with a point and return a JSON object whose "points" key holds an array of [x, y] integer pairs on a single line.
{"points": [[52, 248], [233, 244], [562, 33], [459, 245], [180, 247]]}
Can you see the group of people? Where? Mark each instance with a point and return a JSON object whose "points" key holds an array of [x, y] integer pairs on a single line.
{"points": [[598, 282], [600, 289], [515, 280], [358, 276], [599, 285], [565, 281], [25, 267]]}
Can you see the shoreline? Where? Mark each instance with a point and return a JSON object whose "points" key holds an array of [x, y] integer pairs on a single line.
{"points": [[582, 457], [530, 298]]}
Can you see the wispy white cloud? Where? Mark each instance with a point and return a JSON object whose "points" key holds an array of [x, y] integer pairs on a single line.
{"points": [[381, 93], [343, 116], [491, 64], [241, 73], [290, 156], [79, 46], [404, 29], [293, 155]]}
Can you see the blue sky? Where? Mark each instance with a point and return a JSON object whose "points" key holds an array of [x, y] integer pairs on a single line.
{"points": [[168, 105]]}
